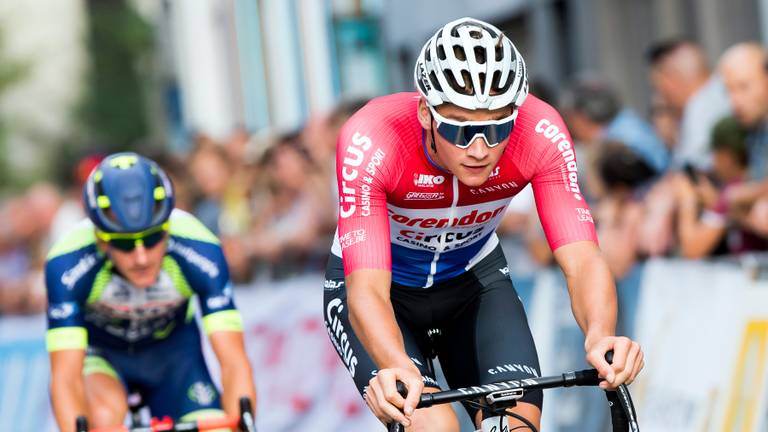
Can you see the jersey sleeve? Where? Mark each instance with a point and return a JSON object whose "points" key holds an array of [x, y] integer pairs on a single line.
{"points": [[201, 259], [70, 269], [364, 157], [564, 214]]}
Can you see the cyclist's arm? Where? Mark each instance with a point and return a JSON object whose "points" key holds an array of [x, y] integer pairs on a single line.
{"points": [[67, 387], [570, 231], [373, 318], [591, 287], [66, 338], [364, 237], [236, 373], [364, 240], [222, 321]]}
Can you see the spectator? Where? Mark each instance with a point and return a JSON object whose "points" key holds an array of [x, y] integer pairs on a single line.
{"points": [[71, 210], [743, 67], [23, 242], [285, 230], [619, 214], [681, 76], [665, 121], [176, 168], [704, 223], [210, 170], [594, 113]]}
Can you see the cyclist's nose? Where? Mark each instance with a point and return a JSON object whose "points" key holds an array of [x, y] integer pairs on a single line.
{"points": [[478, 148], [140, 254]]}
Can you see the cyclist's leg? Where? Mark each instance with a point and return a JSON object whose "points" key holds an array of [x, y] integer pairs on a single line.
{"points": [[362, 367], [490, 339], [104, 392]]}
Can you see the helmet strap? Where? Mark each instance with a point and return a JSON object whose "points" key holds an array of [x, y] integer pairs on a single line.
{"points": [[432, 132]]}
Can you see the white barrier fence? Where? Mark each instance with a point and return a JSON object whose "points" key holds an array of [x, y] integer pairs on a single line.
{"points": [[703, 326]]}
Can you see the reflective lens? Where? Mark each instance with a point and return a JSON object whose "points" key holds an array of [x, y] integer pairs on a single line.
{"points": [[461, 134], [127, 242]]}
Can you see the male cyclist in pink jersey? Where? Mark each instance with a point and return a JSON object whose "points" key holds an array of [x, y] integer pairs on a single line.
{"points": [[416, 269]]}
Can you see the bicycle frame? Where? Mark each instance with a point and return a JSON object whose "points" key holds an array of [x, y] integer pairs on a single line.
{"points": [[504, 393]]}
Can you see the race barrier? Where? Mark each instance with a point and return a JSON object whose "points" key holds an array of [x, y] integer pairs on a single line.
{"points": [[703, 326]]}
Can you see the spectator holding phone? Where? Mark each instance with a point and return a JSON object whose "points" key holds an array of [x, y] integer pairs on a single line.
{"points": [[707, 224]]}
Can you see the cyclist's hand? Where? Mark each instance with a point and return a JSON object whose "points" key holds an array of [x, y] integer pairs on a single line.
{"points": [[384, 400], [627, 360]]}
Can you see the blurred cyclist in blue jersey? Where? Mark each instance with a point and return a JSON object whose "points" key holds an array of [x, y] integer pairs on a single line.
{"points": [[120, 315]]}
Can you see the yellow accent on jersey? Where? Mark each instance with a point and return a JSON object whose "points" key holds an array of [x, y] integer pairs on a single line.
{"points": [[64, 338], [228, 320]]}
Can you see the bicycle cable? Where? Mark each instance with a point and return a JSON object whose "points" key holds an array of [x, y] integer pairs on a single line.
{"points": [[502, 412]]}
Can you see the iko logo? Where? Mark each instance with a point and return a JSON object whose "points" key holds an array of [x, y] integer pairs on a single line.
{"points": [[504, 271], [427, 180], [555, 136]]}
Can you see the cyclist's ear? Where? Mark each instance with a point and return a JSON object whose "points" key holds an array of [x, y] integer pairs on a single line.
{"points": [[101, 245], [425, 117]]}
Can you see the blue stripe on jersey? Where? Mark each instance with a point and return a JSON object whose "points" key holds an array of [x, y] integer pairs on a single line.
{"points": [[411, 267]]}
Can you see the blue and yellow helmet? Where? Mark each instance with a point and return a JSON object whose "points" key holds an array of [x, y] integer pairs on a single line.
{"points": [[128, 193]]}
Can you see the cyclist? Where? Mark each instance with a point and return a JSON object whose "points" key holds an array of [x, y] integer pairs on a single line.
{"points": [[121, 317], [416, 267]]}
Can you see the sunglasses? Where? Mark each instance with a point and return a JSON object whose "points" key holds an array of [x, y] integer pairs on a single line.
{"points": [[127, 242], [462, 133]]}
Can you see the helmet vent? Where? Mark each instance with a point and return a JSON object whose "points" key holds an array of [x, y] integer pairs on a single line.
{"points": [[480, 55], [441, 52], [435, 82], [458, 51]]}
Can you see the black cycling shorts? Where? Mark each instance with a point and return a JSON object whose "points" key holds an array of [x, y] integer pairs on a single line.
{"points": [[480, 331]]}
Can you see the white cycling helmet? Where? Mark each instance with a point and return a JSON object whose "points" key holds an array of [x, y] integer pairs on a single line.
{"points": [[455, 65]]}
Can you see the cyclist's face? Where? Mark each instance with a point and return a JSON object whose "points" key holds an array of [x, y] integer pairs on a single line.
{"points": [[472, 165], [141, 266]]}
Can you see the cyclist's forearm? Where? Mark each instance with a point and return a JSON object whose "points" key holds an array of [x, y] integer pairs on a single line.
{"points": [[68, 400], [236, 382], [593, 295], [373, 320]]}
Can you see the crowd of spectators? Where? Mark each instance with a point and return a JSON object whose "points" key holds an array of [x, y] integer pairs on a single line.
{"points": [[689, 180], [686, 180]]}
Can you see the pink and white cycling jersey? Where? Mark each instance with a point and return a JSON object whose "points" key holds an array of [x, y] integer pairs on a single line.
{"points": [[399, 211]]}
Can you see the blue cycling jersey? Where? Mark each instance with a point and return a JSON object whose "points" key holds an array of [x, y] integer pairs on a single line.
{"points": [[90, 303]]}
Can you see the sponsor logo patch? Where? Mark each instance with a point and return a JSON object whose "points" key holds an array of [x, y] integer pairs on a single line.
{"points": [[424, 196], [351, 238], [560, 139], [427, 180], [201, 393]]}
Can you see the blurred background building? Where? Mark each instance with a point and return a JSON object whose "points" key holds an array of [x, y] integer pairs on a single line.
{"points": [[214, 66]]}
